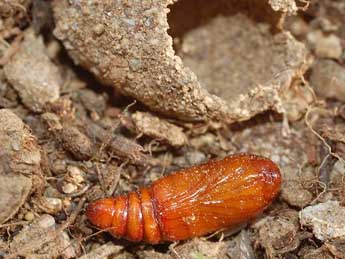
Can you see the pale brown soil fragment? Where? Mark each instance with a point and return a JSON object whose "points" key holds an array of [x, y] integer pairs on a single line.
{"points": [[286, 6], [126, 46], [31, 244], [19, 159], [103, 251], [159, 129], [69, 137], [32, 74], [326, 219], [328, 79]]}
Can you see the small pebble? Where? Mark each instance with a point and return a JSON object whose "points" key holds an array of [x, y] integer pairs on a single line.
{"points": [[46, 221], [67, 204], [325, 46], [29, 216], [328, 79], [32, 74], [69, 188], [327, 220], [329, 47], [58, 167], [98, 29], [54, 204], [76, 173]]}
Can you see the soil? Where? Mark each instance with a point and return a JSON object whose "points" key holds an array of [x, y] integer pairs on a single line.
{"points": [[67, 139]]}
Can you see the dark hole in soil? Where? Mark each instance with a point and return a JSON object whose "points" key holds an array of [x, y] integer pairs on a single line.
{"points": [[186, 15]]}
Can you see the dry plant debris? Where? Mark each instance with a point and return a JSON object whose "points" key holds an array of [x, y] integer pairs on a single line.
{"points": [[70, 137], [119, 145], [274, 69], [13, 14]]}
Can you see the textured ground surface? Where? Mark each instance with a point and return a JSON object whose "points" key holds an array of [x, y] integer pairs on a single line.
{"points": [[67, 138]]}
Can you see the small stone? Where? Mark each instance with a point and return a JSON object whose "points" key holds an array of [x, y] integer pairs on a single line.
{"points": [[45, 221], [294, 194], [299, 27], [67, 204], [327, 25], [325, 46], [88, 164], [58, 167], [279, 235], [199, 248], [20, 158], [76, 174], [337, 174], [286, 6], [69, 188], [33, 74], [103, 251], [42, 239], [326, 219], [33, 232], [241, 246], [92, 101], [195, 157], [328, 79], [98, 29], [54, 205], [29, 216]]}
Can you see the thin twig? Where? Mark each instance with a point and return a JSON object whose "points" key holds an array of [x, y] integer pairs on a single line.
{"points": [[19, 223], [308, 123]]}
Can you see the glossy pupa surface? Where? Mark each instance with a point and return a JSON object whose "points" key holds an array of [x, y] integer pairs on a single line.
{"points": [[192, 202]]}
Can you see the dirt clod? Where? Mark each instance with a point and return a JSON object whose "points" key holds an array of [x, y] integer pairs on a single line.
{"points": [[241, 247], [328, 79], [326, 220], [181, 88], [159, 129], [32, 74], [103, 251], [29, 241], [279, 236], [70, 137], [19, 159]]}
